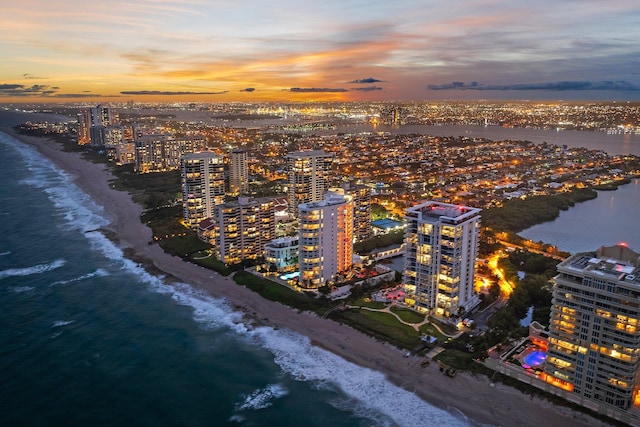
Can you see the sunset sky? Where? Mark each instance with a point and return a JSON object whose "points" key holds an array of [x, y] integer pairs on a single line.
{"points": [[285, 50]]}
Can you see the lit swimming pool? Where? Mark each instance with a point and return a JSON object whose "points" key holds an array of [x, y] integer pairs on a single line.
{"points": [[533, 359]]}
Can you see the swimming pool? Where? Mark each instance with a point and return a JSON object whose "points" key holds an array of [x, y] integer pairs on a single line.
{"points": [[533, 358]]}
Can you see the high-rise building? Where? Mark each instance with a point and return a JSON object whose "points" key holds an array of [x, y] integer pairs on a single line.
{"points": [[239, 173], [242, 229], [325, 239], [202, 185], [161, 153], [308, 173], [361, 194], [92, 124], [441, 247], [84, 127], [594, 330], [113, 136]]}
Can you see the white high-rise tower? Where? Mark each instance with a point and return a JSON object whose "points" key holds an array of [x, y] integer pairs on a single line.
{"points": [[308, 173], [441, 248], [202, 185], [325, 239]]}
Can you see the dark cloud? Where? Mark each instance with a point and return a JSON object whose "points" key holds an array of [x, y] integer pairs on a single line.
{"points": [[367, 80], [30, 77], [367, 88], [248, 89], [77, 95], [316, 89], [158, 92], [620, 86], [18, 90]]}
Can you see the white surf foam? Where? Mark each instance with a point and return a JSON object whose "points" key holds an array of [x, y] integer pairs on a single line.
{"points": [[262, 398], [76, 207], [22, 289], [372, 391], [368, 392], [100, 272], [5, 253], [60, 323], [36, 269]]}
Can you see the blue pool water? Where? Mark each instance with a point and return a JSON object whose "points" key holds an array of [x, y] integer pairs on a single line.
{"points": [[535, 359]]}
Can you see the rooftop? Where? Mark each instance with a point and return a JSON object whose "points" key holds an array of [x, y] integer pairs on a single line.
{"points": [[603, 263]]}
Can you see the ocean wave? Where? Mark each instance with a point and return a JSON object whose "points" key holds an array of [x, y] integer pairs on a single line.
{"points": [[262, 398], [60, 323], [373, 394], [368, 393], [36, 269], [22, 289], [5, 253], [76, 207], [98, 273]]}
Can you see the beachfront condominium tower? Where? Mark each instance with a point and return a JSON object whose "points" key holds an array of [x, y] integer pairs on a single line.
{"points": [[594, 328], [243, 228], [162, 152], [202, 177], [239, 172], [325, 239], [361, 194], [441, 247], [308, 173], [92, 123]]}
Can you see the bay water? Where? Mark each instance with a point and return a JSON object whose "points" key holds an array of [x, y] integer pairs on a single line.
{"points": [[607, 220]]}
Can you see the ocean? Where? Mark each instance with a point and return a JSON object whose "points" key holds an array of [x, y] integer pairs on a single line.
{"points": [[89, 338]]}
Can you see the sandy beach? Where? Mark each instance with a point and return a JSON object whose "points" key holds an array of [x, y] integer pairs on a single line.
{"points": [[469, 394]]}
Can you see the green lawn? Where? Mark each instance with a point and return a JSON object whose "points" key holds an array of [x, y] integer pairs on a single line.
{"points": [[445, 327], [212, 263], [379, 325], [429, 329], [367, 302], [276, 292], [461, 360], [407, 315]]}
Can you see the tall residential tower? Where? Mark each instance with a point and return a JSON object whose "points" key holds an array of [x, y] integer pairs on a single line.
{"points": [[202, 185], [325, 239], [441, 248], [239, 173], [242, 229], [594, 330], [308, 173], [92, 124]]}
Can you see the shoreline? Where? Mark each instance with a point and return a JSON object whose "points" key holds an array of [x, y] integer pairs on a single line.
{"points": [[467, 394]]}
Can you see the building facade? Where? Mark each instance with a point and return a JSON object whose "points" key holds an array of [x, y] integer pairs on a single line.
{"points": [[308, 175], [282, 254], [325, 239], [361, 194], [441, 242], [161, 153], [239, 173], [243, 228], [92, 124], [594, 331], [202, 176]]}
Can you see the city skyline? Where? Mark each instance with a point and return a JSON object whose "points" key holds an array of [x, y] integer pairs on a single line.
{"points": [[169, 51]]}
